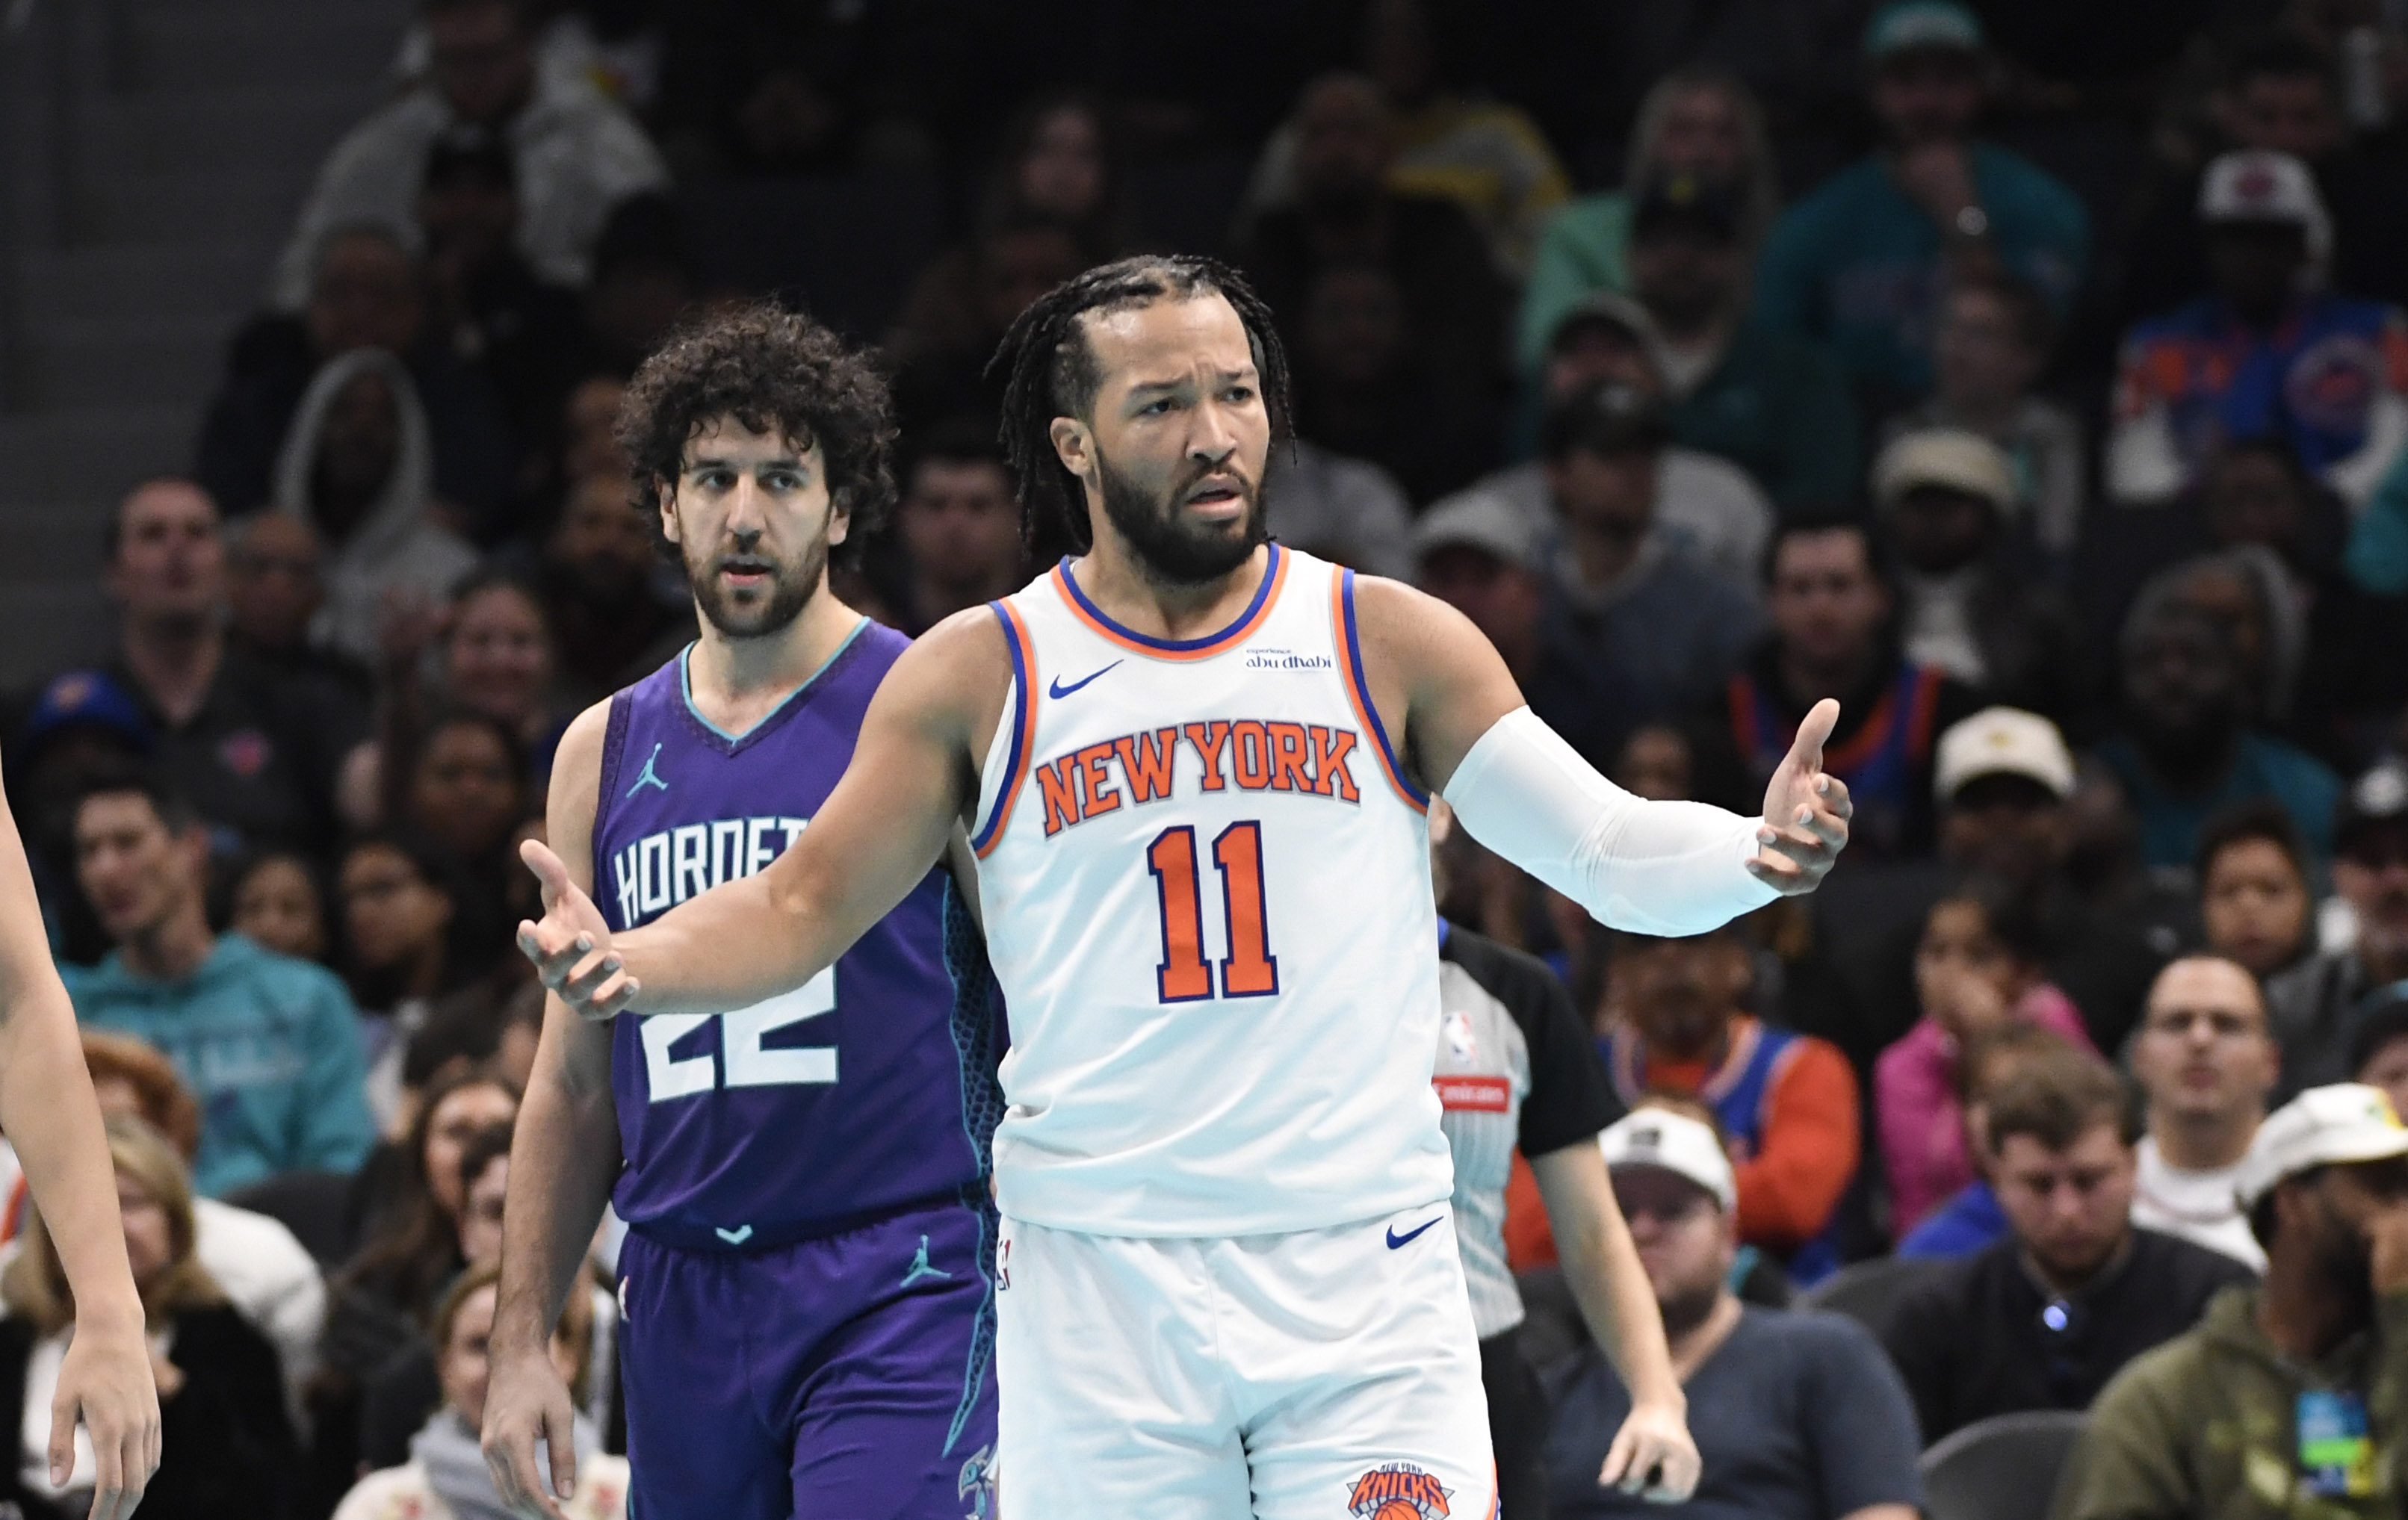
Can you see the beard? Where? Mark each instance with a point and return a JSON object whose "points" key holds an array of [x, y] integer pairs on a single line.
{"points": [[1172, 550], [762, 611], [1689, 1308]]}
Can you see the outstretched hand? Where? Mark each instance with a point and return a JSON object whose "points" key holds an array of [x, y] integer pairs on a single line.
{"points": [[1806, 812], [570, 946]]}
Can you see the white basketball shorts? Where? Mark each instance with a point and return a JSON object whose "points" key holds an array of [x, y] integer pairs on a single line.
{"points": [[1322, 1375]]}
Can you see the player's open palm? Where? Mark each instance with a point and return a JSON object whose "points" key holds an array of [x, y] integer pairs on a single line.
{"points": [[570, 945], [105, 1380], [1806, 812], [1652, 1457], [528, 1410]]}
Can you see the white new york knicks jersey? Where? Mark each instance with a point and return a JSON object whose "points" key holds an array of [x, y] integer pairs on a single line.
{"points": [[1207, 893]]}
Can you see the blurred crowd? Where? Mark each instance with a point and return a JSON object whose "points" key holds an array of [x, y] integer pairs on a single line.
{"points": [[2028, 376]]}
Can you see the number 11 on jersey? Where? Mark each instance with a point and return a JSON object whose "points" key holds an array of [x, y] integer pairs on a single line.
{"points": [[1249, 970]]}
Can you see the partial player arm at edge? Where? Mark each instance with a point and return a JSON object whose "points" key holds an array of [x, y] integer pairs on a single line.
{"points": [[885, 825], [52, 1118], [1653, 867], [1602, 1268], [563, 1159]]}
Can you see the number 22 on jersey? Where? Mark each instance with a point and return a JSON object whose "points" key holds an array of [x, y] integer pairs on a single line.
{"points": [[1249, 970], [749, 1063]]}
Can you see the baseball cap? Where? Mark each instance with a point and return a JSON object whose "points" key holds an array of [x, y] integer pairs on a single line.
{"points": [[1481, 520], [2257, 185], [1948, 457], [2378, 800], [1685, 196], [2380, 1017], [1676, 1143], [85, 699], [2347, 1122], [2002, 742], [1909, 24]]}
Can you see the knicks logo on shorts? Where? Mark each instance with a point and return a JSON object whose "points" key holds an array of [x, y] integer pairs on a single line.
{"points": [[1398, 1491]]}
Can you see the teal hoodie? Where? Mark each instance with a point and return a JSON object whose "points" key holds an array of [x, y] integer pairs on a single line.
{"points": [[270, 1046]]}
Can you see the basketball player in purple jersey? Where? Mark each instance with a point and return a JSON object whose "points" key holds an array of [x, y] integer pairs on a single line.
{"points": [[805, 1276]]}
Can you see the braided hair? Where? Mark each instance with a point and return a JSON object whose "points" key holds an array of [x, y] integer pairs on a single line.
{"points": [[1051, 372]]}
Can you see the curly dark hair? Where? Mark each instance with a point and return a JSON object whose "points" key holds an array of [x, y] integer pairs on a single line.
{"points": [[773, 370], [1051, 372]]}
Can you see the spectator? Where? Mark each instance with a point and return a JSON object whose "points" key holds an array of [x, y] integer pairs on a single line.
{"points": [[225, 1441], [486, 304], [602, 587], [2378, 1053], [2281, 94], [2314, 1004], [1992, 345], [268, 1043], [1350, 512], [1862, 263], [2265, 350], [1765, 400], [400, 897], [367, 292], [1786, 1102], [941, 348], [2254, 898], [1696, 120], [1060, 167], [485, 1185], [81, 726], [589, 439], [1969, 608], [2186, 747], [1706, 505], [467, 791], [1971, 1219], [958, 519], [410, 1196], [2283, 1400], [356, 467], [1796, 1414], [2008, 790], [1363, 389], [576, 152], [1448, 297], [2206, 1061], [1480, 556], [1977, 967], [1830, 599], [254, 749], [645, 279], [279, 904], [274, 587], [445, 1478], [1636, 629], [265, 1272], [497, 659], [2043, 1319]]}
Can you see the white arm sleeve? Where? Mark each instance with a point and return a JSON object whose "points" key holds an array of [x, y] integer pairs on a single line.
{"points": [[1651, 868]]}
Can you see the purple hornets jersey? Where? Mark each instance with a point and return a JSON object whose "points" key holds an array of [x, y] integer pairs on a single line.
{"points": [[870, 1087]]}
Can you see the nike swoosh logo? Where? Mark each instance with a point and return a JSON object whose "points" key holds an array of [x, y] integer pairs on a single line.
{"points": [[1397, 1242], [1061, 691], [738, 1237]]}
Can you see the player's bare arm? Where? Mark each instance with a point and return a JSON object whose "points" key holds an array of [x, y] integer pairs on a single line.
{"points": [[911, 784], [563, 1160], [47, 1107], [1651, 866], [1652, 1454]]}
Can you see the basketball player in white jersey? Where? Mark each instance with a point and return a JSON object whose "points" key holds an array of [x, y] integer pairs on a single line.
{"points": [[53, 1121], [1195, 768]]}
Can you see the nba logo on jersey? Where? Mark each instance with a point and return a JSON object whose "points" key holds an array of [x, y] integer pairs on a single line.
{"points": [[1397, 1491]]}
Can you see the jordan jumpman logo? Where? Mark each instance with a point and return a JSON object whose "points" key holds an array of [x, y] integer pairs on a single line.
{"points": [[919, 1268], [650, 777]]}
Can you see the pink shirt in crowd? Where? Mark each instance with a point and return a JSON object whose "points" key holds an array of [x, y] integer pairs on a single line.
{"points": [[1915, 1103]]}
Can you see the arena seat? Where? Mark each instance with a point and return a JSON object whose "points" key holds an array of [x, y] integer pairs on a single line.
{"points": [[2004, 1467]]}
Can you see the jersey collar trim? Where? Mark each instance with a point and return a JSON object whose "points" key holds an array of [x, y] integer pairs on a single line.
{"points": [[735, 744], [1236, 633]]}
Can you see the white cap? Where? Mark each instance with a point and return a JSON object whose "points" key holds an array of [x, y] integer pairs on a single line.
{"points": [[2257, 186], [1481, 520], [2002, 742], [1948, 457], [1678, 1145], [2323, 1126]]}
